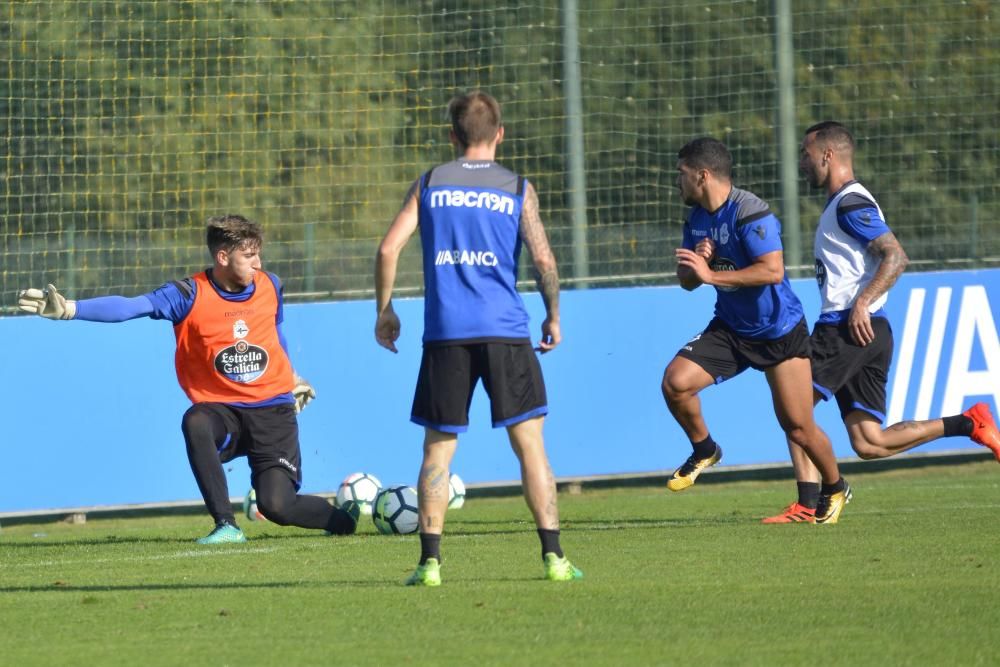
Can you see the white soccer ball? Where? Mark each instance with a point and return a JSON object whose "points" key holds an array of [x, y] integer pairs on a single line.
{"points": [[456, 492], [250, 507], [395, 511], [361, 488]]}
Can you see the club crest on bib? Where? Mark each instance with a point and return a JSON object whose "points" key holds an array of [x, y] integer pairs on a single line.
{"points": [[240, 329], [241, 362]]}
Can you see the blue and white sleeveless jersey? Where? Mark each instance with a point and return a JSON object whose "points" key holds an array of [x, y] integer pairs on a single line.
{"points": [[470, 214], [743, 229], [851, 220]]}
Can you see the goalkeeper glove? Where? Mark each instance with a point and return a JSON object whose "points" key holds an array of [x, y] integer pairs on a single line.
{"points": [[47, 303], [303, 393]]}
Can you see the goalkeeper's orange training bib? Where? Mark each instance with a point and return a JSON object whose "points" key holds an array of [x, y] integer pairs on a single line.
{"points": [[228, 351]]}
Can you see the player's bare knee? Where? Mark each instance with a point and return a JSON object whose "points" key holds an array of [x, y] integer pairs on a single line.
{"points": [[799, 435], [673, 390]]}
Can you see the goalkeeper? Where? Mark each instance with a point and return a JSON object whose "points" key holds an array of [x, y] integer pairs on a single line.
{"points": [[232, 362]]}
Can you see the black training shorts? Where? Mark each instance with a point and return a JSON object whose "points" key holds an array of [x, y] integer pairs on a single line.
{"points": [[510, 372], [857, 376], [724, 354], [267, 436]]}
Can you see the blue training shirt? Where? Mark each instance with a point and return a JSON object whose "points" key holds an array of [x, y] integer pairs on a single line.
{"points": [[743, 229], [470, 216]]}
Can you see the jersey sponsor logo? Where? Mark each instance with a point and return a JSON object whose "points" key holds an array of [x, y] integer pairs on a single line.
{"points": [[761, 231], [240, 329], [723, 264], [472, 199], [476, 165], [820, 274], [242, 362], [466, 257], [285, 462]]}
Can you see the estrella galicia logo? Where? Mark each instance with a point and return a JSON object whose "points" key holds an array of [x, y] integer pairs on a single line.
{"points": [[820, 274], [242, 362], [723, 264]]}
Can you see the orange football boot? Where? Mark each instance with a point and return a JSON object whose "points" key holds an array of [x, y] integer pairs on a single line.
{"points": [[794, 513], [984, 429]]}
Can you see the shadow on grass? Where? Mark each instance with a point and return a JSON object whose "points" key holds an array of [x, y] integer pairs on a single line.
{"points": [[65, 588], [45, 542], [470, 527]]}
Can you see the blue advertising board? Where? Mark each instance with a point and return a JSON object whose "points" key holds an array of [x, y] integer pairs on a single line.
{"points": [[93, 410]]}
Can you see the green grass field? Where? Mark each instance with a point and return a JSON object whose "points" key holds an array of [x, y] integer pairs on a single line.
{"points": [[909, 576]]}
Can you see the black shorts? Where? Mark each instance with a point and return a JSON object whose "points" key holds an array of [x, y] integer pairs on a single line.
{"points": [[268, 437], [724, 354], [510, 372], [857, 376]]}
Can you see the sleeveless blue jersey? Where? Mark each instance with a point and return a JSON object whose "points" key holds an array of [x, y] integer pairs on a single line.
{"points": [[743, 229], [470, 213]]}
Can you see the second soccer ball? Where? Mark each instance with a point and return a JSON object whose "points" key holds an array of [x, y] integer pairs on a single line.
{"points": [[395, 511], [360, 487]]}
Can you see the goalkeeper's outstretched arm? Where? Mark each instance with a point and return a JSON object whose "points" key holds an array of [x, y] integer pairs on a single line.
{"points": [[49, 303]]}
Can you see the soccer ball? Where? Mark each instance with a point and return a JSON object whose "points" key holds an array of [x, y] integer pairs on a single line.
{"points": [[361, 488], [456, 492], [395, 510], [250, 507]]}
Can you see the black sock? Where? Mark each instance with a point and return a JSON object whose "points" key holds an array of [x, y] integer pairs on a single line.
{"points": [[957, 425], [808, 494], [704, 449], [550, 542], [836, 487], [430, 547]]}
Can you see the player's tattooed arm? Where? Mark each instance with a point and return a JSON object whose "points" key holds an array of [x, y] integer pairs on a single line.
{"points": [[537, 242], [546, 273], [894, 261]]}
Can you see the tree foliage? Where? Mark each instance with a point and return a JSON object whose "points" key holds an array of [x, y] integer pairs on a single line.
{"points": [[130, 123]]}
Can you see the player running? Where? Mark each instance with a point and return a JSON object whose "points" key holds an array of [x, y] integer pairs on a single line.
{"points": [[232, 362], [732, 241], [858, 259], [473, 216]]}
